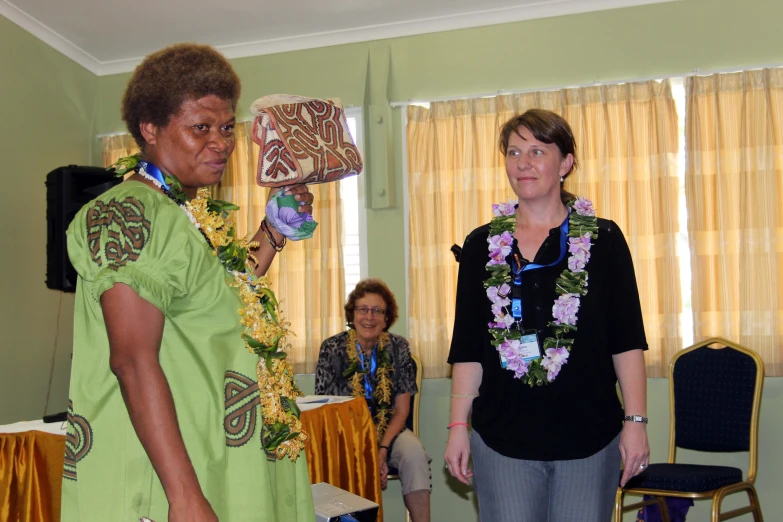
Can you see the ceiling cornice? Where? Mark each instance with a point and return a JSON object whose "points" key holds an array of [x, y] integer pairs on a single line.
{"points": [[49, 36], [330, 38]]}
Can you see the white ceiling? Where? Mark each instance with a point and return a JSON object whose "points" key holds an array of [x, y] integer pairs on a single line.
{"points": [[111, 36]]}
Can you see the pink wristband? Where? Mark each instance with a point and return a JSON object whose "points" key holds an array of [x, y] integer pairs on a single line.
{"points": [[456, 424]]}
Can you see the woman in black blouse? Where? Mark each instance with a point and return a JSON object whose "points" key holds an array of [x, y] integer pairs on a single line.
{"points": [[536, 358]]}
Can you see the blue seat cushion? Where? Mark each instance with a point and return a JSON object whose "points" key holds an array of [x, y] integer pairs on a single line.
{"points": [[685, 477]]}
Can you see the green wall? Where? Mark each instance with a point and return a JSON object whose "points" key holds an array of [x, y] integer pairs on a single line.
{"points": [[47, 108], [52, 98]]}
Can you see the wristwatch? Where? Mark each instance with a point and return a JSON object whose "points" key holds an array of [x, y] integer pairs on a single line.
{"points": [[635, 418]]}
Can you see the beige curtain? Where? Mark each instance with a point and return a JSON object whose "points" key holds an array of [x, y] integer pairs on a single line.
{"points": [[628, 142], [627, 145], [307, 276], [118, 146], [454, 176], [734, 190]]}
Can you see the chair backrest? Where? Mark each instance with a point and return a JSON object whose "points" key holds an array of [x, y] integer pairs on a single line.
{"points": [[412, 422], [715, 390]]}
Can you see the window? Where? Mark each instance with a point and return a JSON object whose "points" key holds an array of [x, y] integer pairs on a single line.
{"points": [[727, 272], [683, 249], [354, 215]]}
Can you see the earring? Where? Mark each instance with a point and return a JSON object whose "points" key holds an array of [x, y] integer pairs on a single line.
{"points": [[562, 179]]}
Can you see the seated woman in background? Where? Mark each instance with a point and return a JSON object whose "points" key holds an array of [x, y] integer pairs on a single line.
{"points": [[370, 311]]}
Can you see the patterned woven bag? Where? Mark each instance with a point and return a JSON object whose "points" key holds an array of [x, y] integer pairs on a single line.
{"points": [[302, 140]]}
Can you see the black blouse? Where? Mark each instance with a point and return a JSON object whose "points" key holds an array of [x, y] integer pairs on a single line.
{"points": [[579, 413]]}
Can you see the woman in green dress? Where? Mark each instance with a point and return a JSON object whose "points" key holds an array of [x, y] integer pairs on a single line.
{"points": [[172, 416]]}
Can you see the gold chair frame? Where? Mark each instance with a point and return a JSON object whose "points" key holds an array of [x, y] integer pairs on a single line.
{"points": [[416, 403], [719, 494]]}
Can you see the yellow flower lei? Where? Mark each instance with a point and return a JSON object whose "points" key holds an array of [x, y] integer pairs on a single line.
{"points": [[383, 387], [265, 331], [263, 328]]}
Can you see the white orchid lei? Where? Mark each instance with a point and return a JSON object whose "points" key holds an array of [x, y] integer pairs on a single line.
{"points": [[570, 286]]}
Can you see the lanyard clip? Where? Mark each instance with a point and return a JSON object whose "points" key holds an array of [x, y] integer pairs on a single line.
{"points": [[516, 308]]}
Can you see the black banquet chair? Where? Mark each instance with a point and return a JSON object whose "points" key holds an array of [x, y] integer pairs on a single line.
{"points": [[715, 398]]}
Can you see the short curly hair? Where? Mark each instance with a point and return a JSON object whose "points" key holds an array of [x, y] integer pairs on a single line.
{"points": [[372, 286], [165, 79]]}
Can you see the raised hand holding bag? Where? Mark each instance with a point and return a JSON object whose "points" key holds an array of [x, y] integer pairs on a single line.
{"points": [[301, 140]]}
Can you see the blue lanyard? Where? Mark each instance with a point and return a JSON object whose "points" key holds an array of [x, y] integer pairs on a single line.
{"points": [[516, 269], [154, 171], [373, 367]]}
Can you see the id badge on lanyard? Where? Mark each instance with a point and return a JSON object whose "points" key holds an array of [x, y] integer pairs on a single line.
{"points": [[528, 348]]}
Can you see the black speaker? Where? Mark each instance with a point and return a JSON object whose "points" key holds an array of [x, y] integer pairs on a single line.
{"points": [[68, 189]]}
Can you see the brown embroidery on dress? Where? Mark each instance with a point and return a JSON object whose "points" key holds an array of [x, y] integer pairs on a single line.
{"points": [[78, 442], [241, 408], [121, 225]]}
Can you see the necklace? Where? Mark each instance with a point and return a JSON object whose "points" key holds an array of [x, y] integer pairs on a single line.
{"points": [[265, 331], [571, 285], [357, 372]]}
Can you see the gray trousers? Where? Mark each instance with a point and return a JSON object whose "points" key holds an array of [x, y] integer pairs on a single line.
{"points": [[515, 490]]}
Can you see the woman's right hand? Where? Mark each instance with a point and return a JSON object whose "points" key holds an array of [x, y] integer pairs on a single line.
{"points": [[196, 510], [458, 454]]}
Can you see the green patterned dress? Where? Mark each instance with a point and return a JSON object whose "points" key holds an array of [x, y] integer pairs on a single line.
{"points": [[135, 235]]}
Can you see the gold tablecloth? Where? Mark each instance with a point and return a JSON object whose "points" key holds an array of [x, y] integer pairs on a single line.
{"points": [[342, 450]]}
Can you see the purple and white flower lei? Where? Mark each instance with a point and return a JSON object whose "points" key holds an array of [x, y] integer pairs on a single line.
{"points": [[566, 306]]}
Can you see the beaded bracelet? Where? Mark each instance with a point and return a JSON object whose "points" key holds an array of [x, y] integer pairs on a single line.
{"points": [[278, 246], [456, 424], [270, 238]]}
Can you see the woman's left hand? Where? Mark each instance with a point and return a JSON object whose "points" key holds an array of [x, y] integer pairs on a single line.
{"points": [[302, 194], [263, 253], [634, 450], [384, 472]]}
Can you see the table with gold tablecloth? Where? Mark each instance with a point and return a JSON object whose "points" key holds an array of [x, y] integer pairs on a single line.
{"points": [[342, 450]]}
